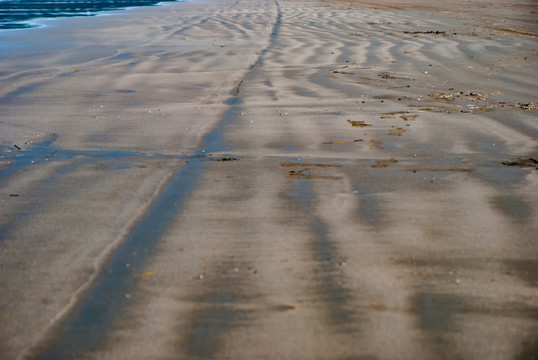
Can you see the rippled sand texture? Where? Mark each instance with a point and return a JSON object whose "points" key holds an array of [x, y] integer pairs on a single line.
{"points": [[273, 180]]}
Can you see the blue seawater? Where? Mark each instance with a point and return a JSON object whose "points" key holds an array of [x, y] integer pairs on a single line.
{"points": [[16, 14]]}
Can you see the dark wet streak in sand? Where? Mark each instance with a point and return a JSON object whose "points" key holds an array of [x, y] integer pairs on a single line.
{"points": [[220, 311], [87, 327], [330, 287], [205, 333], [439, 313], [45, 151]]}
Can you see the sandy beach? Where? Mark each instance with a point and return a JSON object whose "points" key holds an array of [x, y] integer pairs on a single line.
{"points": [[287, 179]]}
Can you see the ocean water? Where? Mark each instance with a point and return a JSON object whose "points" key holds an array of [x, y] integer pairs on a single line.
{"points": [[18, 14]]}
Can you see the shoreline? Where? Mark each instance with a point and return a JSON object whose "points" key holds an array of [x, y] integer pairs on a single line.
{"points": [[37, 22]]}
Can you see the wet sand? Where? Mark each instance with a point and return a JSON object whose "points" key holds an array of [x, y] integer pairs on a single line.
{"points": [[271, 180]]}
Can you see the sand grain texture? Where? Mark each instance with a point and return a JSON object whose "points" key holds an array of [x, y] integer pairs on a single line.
{"points": [[271, 180]]}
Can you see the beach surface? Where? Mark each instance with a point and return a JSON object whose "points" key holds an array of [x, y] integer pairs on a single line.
{"points": [[290, 179]]}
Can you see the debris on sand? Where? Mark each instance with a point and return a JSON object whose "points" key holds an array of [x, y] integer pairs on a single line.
{"points": [[341, 142], [374, 144], [433, 32], [225, 158], [358, 123], [396, 132], [523, 163], [384, 163]]}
